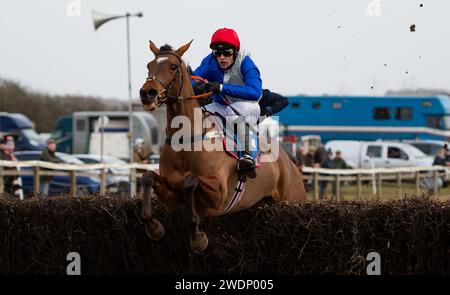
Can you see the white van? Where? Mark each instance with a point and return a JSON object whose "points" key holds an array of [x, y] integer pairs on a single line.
{"points": [[427, 146], [375, 154]]}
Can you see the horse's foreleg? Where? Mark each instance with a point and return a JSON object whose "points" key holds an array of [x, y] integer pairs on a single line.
{"points": [[153, 228], [199, 241]]}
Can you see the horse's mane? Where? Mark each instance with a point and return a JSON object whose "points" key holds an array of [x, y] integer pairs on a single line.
{"points": [[166, 47]]}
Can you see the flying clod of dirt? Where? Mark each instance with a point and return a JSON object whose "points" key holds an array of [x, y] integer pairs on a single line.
{"points": [[412, 28]]}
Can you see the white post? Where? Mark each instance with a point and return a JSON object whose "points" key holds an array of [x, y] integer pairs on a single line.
{"points": [[374, 185]]}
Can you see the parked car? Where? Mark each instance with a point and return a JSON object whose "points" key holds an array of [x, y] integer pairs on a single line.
{"points": [[364, 154], [22, 130], [119, 181], [428, 147], [59, 184]]}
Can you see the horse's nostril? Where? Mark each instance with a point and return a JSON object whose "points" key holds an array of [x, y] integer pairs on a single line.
{"points": [[152, 93], [148, 95]]}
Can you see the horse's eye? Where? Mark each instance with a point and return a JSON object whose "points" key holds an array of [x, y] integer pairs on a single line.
{"points": [[173, 67]]}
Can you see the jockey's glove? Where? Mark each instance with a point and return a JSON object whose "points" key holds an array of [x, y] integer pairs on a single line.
{"points": [[199, 88], [213, 86]]}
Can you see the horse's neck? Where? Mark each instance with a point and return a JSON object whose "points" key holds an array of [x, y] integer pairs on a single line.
{"points": [[184, 108]]}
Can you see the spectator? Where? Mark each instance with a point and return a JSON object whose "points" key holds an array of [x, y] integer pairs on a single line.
{"points": [[320, 155], [300, 158], [339, 162], [439, 160], [446, 182], [447, 153], [139, 155], [394, 153], [11, 183], [327, 164], [48, 155], [309, 162], [309, 158]]}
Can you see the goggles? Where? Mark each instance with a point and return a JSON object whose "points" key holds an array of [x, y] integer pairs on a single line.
{"points": [[224, 52]]}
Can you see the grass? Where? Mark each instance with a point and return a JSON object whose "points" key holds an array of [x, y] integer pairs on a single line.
{"points": [[388, 193]]}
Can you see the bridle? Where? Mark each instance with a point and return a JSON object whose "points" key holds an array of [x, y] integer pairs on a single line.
{"points": [[162, 96]]}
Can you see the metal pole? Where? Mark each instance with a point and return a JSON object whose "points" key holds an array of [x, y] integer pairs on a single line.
{"points": [[102, 124], [97, 24], [130, 118]]}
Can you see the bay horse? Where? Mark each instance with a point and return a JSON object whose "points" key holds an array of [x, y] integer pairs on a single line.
{"points": [[204, 181]]}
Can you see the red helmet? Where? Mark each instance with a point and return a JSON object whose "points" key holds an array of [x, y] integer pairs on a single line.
{"points": [[227, 36]]}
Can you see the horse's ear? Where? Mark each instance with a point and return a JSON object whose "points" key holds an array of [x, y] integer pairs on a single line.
{"points": [[184, 48], [153, 48]]}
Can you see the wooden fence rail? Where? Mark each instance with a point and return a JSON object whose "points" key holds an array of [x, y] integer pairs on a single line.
{"points": [[7, 168], [376, 176], [418, 175]]}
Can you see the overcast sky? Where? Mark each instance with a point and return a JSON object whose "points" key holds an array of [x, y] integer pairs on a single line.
{"points": [[310, 47]]}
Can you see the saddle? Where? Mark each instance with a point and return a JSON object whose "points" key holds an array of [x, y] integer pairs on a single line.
{"points": [[223, 130]]}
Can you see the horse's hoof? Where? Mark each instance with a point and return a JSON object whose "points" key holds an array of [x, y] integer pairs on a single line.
{"points": [[199, 244], [154, 229]]}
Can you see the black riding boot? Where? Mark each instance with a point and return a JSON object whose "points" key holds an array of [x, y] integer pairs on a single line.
{"points": [[246, 162]]}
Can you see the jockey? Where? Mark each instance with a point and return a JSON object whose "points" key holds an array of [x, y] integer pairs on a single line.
{"points": [[236, 84]]}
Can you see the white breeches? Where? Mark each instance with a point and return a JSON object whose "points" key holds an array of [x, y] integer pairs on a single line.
{"points": [[249, 110]]}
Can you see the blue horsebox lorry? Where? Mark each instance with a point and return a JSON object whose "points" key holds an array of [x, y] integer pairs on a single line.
{"points": [[367, 117], [22, 130], [82, 132]]}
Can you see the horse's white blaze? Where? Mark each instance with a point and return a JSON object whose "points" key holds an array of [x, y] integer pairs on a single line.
{"points": [[161, 59]]}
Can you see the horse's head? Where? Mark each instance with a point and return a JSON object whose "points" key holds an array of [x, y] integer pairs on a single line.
{"points": [[165, 76]]}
